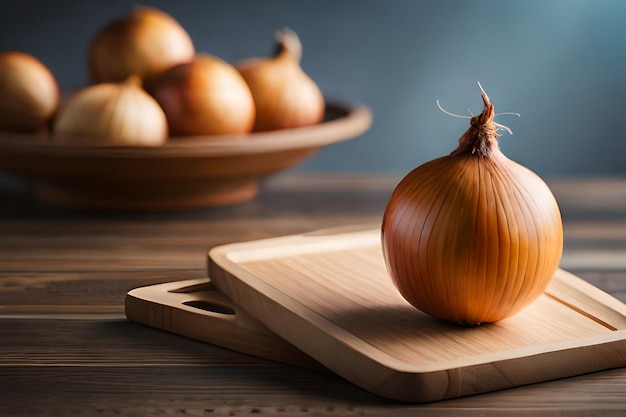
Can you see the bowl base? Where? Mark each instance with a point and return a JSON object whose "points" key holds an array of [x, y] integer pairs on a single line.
{"points": [[89, 199]]}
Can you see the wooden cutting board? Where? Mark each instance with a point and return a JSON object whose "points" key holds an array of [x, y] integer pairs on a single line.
{"points": [[330, 296], [196, 309]]}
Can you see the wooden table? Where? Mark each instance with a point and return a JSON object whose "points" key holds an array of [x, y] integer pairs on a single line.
{"points": [[66, 347]]}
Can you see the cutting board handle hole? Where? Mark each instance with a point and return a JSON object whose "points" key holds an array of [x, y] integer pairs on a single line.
{"points": [[210, 307]]}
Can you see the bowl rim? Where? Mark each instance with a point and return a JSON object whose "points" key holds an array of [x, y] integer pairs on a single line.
{"points": [[353, 120]]}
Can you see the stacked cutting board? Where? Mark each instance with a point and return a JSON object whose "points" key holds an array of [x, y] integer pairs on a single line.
{"points": [[324, 301]]}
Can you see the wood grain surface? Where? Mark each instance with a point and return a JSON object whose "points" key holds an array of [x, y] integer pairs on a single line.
{"points": [[66, 347]]}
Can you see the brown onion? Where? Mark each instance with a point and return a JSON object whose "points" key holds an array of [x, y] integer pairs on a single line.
{"points": [[29, 94], [144, 42], [472, 237], [284, 95], [206, 96]]}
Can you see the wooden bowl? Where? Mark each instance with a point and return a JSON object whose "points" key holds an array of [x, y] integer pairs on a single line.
{"points": [[190, 172]]}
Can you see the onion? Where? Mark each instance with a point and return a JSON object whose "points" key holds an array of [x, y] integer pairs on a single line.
{"points": [[29, 94], [472, 237], [284, 95], [118, 114], [206, 96], [144, 42]]}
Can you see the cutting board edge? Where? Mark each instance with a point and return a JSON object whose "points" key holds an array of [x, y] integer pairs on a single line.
{"points": [[393, 375], [315, 240]]}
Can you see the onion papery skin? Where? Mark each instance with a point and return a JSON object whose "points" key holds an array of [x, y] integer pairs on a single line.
{"points": [[472, 239], [29, 93], [285, 96], [206, 96], [143, 42]]}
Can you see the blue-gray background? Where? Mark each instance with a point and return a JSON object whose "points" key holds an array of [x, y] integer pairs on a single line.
{"points": [[560, 63]]}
